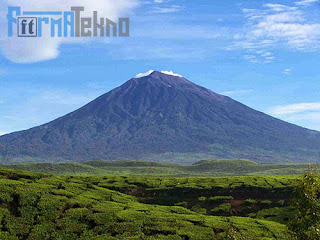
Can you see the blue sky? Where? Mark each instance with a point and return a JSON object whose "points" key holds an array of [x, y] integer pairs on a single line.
{"points": [[264, 54]]}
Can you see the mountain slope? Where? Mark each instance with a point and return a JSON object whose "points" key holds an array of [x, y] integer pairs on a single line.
{"points": [[161, 115]]}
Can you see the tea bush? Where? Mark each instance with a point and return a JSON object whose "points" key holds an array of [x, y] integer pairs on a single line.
{"points": [[45, 207]]}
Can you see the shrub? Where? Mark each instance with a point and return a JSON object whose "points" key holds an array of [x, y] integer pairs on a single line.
{"points": [[202, 199], [222, 209], [233, 233], [220, 198], [250, 201], [181, 204], [281, 202], [199, 209], [266, 202], [306, 202], [58, 207]]}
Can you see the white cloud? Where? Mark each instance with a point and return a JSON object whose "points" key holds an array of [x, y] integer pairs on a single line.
{"points": [[259, 56], [309, 120], [306, 2], [24, 50], [170, 9], [295, 108], [278, 26], [310, 116], [284, 17], [279, 7], [140, 75], [287, 71], [265, 54], [237, 92], [251, 58], [2, 133], [303, 114], [172, 73]]}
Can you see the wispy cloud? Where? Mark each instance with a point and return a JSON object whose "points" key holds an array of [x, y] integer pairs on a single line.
{"points": [[277, 25], [287, 71], [306, 2], [169, 9], [259, 56], [295, 108], [303, 114], [2, 133], [237, 92]]}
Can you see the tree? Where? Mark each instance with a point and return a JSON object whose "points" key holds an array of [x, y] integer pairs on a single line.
{"points": [[306, 202]]}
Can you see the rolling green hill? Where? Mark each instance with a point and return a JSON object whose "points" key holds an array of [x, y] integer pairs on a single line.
{"points": [[40, 206], [141, 168]]}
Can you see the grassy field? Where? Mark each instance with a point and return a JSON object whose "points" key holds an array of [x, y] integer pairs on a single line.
{"points": [[213, 168], [43, 206]]}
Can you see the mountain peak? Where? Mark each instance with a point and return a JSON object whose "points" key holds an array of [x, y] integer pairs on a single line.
{"points": [[162, 116], [168, 79], [153, 72]]}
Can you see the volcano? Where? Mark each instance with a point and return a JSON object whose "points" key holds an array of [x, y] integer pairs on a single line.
{"points": [[162, 117]]}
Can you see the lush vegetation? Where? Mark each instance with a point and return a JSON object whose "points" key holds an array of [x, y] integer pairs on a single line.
{"points": [[141, 168], [306, 202], [44, 206], [41, 206]]}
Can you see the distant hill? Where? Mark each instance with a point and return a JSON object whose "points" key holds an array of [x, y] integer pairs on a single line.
{"points": [[212, 168], [161, 117]]}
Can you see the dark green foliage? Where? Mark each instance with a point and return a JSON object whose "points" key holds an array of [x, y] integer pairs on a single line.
{"points": [[181, 204], [202, 199], [220, 198], [233, 234], [277, 214], [306, 202], [199, 209], [251, 201], [223, 208], [42, 207], [266, 202]]}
